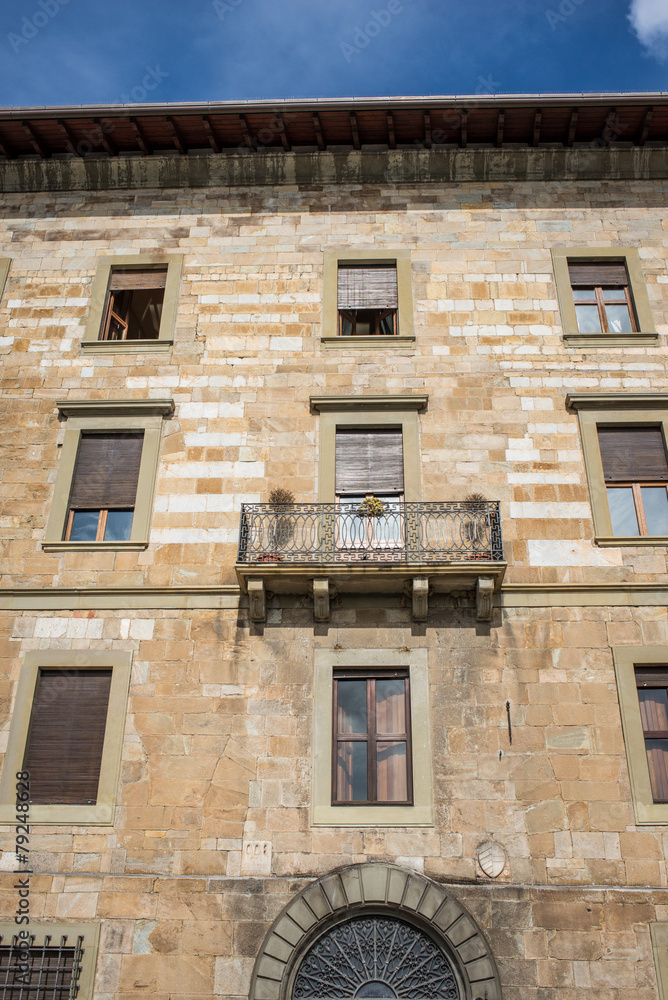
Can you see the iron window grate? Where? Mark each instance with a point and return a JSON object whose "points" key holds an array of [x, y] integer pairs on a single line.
{"points": [[54, 969]]}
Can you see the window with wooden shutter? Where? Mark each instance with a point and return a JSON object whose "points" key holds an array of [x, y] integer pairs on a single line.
{"points": [[133, 309], [369, 462], [104, 487], [602, 297], [63, 751], [652, 685], [371, 756], [367, 295], [635, 470]]}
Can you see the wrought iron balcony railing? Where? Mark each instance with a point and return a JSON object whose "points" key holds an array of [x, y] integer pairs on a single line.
{"points": [[448, 531]]}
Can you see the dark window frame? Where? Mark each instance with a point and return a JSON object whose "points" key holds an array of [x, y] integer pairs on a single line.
{"points": [[371, 738], [653, 677]]}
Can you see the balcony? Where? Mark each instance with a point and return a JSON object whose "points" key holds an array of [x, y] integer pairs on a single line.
{"points": [[411, 548]]}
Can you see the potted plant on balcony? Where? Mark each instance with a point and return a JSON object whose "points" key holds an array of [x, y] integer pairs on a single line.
{"points": [[371, 506], [475, 524], [280, 527]]}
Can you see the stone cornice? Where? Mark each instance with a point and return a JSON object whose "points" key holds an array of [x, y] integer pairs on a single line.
{"points": [[617, 400], [108, 407], [333, 404]]}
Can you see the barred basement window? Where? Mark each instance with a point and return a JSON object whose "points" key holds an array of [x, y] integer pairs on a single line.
{"points": [[63, 753], [635, 469], [371, 760], [367, 299], [133, 309], [104, 487], [652, 687], [602, 297], [52, 970]]}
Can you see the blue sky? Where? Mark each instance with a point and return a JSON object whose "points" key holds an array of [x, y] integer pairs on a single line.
{"points": [[57, 52]]}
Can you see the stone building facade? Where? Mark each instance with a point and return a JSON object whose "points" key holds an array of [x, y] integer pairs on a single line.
{"points": [[214, 860]]}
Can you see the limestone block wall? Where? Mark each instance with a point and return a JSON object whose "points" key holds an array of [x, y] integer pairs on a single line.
{"points": [[247, 355]]}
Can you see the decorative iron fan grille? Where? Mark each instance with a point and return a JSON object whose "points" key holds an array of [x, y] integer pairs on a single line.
{"points": [[375, 957]]}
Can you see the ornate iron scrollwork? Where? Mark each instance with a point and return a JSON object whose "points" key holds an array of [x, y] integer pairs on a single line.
{"points": [[375, 957]]}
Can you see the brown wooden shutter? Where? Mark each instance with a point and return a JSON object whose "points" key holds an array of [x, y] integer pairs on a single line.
{"points": [[597, 273], [64, 747], [106, 470], [121, 280], [369, 460], [367, 286], [633, 454]]}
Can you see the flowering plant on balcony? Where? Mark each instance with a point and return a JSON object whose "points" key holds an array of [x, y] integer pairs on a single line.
{"points": [[371, 507]]}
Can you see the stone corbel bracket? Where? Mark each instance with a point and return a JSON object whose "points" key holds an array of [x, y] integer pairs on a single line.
{"points": [[420, 598], [257, 600], [321, 597], [484, 598]]}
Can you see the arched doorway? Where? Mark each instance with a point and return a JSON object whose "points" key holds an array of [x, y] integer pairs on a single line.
{"points": [[375, 932]]}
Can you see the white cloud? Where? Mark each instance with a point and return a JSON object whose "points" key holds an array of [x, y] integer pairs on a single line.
{"points": [[649, 19]]}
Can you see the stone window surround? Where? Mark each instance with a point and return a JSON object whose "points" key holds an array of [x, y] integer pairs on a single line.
{"points": [[626, 658], [374, 888], [330, 306], [91, 344], [369, 411], [659, 936], [4, 271], [323, 813], [102, 813], [623, 409], [645, 335], [107, 415], [90, 932]]}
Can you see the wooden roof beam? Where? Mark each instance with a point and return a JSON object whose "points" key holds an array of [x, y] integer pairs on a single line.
{"points": [[354, 130], [427, 129], [213, 142], [105, 141], [500, 123], [317, 127], [464, 129], [178, 141], [280, 124], [35, 140], [572, 127], [70, 139], [7, 149], [141, 138], [392, 140], [537, 118], [248, 139], [644, 128], [609, 131]]}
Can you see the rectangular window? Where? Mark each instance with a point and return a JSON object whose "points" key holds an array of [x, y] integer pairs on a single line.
{"points": [[635, 468], [67, 732], [133, 309], [103, 493], [371, 731], [367, 295], [104, 487], [369, 463], [133, 304], [63, 752], [652, 685], [602, 297], [60, 961]]}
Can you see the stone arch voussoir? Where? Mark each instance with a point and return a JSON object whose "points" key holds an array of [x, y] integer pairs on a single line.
{"points": [[374, 887]]}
